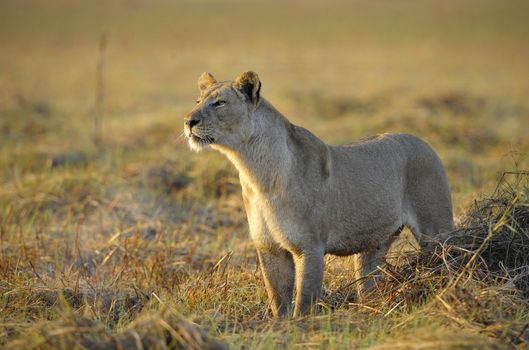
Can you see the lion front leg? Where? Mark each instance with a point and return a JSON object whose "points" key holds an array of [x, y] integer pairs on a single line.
{"points": [[278, 271], [309, 278]]}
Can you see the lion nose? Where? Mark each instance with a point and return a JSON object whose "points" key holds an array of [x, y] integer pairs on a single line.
{"points": [[192, 122]]}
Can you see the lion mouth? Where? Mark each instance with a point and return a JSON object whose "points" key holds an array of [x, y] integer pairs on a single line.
{"points": [[203, 139], [198, 143]]}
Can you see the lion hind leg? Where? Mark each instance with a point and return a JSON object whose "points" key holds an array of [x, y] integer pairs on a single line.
{"points": [[432, 229], [366, 265]]}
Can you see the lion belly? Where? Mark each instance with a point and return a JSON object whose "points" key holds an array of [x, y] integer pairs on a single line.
{"points": [[366, 223]]}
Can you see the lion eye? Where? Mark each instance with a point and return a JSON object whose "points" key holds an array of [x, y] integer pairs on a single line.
{"points": [[218, 103]]}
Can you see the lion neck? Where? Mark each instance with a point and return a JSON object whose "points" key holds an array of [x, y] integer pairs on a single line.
{"points": [[264, 159]]}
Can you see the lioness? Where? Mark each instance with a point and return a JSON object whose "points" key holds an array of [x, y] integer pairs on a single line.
{"points": [[305, 199]]}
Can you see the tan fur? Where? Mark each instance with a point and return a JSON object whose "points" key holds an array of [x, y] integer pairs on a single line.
{"points": [[305, 199]]}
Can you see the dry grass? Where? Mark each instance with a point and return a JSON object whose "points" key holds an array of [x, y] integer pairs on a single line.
{"points": [[157, 330], [141, 242], [476, 276]]}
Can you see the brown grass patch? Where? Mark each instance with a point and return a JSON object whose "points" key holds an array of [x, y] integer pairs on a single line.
{"points": [[478, 275]]}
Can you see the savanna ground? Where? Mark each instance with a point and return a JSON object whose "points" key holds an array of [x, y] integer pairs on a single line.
{"points": [[123, 242]]}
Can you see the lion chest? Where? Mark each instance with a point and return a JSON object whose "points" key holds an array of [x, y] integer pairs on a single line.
{"points": [[272, 222]]}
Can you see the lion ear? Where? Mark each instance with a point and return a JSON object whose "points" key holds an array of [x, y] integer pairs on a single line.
{"points": [[205, 81], [249, 84]]}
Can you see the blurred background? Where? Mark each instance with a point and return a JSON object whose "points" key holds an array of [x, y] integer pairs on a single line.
{"points": [[454, 73], [100, 195]]}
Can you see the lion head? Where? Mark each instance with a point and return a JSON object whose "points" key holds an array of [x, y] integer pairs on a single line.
{"points": [[223, 113]]}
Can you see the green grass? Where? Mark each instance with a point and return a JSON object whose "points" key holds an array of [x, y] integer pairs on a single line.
{"points": [[142, 224]]}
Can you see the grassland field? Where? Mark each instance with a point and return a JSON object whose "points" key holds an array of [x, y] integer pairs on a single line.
{"points": [[140, 226]]}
